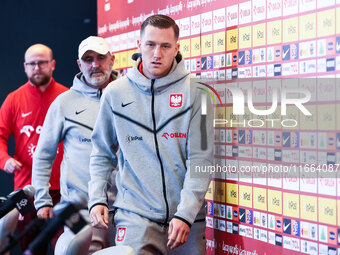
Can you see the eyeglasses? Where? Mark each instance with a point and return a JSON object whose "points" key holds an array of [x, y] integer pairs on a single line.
{"points": [[41, 64]]}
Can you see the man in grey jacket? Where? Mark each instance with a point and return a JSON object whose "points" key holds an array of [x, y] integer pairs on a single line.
{"points": [[154, 114], [70, 119]]}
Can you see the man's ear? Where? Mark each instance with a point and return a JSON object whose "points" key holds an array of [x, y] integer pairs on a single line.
{"points": [[113, 57], [53, 64], [177, 47], [79, 64]]}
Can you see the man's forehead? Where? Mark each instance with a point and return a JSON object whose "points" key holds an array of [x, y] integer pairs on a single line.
{"points": [[156, 32], [37, 55]]}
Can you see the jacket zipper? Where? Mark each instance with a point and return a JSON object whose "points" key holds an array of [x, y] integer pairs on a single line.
{"points": [[157, 150]]}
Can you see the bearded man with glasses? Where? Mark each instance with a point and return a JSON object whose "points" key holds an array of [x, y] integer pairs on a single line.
{"points": [[22, 114]]}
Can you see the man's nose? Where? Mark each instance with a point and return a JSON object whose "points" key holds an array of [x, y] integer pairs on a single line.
{"points": [[157, 52], [36, 66], [95, 63]]}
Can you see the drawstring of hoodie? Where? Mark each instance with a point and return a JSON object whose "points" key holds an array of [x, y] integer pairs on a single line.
{"points": [[99, 93]]}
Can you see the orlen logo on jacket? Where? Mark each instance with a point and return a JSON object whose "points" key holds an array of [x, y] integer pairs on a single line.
{"points": [[174, 135], [176, 100]]}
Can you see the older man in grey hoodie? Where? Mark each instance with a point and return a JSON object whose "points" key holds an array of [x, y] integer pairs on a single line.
{"points": [[70, 120]]}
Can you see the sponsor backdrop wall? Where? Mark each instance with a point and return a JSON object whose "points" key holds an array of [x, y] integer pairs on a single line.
{"points": [[257, 44]]}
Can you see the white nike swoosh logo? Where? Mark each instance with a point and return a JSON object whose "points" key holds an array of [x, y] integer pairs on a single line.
{"points": [[25, 114], [284, 54], [285, 140], [240, 59], [203, 63], [241, 216], [240, 137], [285, 227], [337, 46]]}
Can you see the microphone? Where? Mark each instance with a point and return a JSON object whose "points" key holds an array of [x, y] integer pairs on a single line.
{"points": [[32, 227], [18, 199], [68, 216]]}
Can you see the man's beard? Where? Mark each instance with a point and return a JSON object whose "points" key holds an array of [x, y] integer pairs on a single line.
{"points": [[97, 81], [42, 81]]}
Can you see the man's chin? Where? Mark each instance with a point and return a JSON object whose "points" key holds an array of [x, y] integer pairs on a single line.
{"points": [[98, 81], [40, 82]]}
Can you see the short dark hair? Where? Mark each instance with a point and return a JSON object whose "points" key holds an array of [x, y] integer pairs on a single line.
{"points": [[160, 21]]}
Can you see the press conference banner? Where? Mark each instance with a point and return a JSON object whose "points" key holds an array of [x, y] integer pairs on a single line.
{"points": [[276, 185]]}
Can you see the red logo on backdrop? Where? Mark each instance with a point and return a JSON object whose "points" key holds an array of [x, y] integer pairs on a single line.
{"points": [[176, 100], [121, 234]]}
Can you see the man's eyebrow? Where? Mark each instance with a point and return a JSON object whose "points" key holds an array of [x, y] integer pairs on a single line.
{"points": [[162, 43], [87, 57]]}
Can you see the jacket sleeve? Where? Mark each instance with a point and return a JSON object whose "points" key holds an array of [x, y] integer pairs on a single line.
{"points": [[45, 154], [6, 129], [196, 183], [103, 157]]}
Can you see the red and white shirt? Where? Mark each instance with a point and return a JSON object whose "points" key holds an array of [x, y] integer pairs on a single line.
{"points": [[22, 114]]}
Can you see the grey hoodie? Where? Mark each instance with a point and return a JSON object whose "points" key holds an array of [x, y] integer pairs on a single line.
{"points": [[154, 130], [70, 119]]}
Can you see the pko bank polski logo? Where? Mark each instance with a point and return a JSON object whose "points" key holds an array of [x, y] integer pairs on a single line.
{"points": [[281, 107]]}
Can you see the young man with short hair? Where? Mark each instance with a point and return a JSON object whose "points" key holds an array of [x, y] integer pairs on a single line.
{"points": [[155, 120]]}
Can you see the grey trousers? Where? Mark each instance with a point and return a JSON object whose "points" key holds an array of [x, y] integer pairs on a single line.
{"points": [[148, 238]]}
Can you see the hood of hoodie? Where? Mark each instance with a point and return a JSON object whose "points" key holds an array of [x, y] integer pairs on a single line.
{"points": [[177, 73], [81, 87]]}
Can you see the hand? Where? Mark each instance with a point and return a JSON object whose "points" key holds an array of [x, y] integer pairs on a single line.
{"points": [[12, 165], [99, 216], [178, 233], [45, 213]]}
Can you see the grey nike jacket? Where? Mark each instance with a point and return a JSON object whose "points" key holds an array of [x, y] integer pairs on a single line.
{"points": [[157, 126], [70, 119]]}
